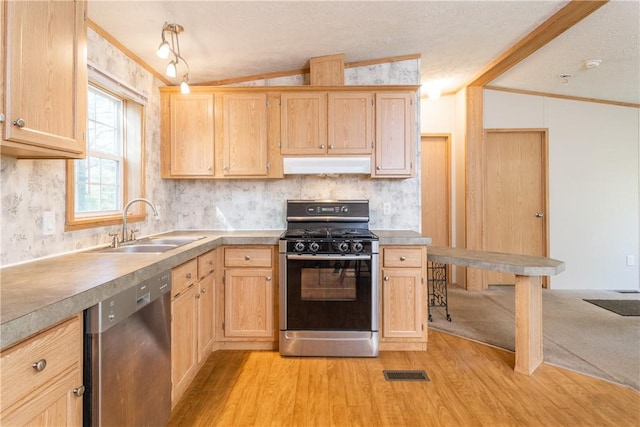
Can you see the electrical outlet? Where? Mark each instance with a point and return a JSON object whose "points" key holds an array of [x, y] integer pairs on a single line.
{"points": [[48, 223], [631, 260], [386, 208]]}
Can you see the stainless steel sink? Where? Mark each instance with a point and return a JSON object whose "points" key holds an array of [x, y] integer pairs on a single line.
{"points": [[140, 248], [152, 244]]}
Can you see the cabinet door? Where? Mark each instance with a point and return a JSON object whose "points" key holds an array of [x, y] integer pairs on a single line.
{"points": [[350, 121], [46, 79], [248, 308], [403, 300], [245, 144], [184, 347], [395, 145], [205, 316], [191, 139], [303, 123]]}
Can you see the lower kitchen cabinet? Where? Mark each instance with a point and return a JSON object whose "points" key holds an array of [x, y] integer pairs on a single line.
{"points": [[249, 297], [184, 328], [403, 298], [41, 378], [205, 297]]}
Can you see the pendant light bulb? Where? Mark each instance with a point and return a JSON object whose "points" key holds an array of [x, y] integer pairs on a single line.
{"points": [[184, 86], [163, 50], [171, 69]]}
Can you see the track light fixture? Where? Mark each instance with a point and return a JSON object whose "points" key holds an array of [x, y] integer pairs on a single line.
{"points": [[170, 46]]}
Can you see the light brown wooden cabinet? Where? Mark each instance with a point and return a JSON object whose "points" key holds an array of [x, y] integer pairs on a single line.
{"points": [[206, 304], [45, 103], [41, 378], [249, 294], [184, 327], [395, 135], [188, 135], [327, 123], [403, 298]]}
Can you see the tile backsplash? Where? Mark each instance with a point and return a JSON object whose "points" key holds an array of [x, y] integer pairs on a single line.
{"points": [[31, 187]]}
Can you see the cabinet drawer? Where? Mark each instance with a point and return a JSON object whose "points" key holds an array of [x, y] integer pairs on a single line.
{"points": [[247, 257], [59, 347], [184, 275], [206, 264], [403, 257]]}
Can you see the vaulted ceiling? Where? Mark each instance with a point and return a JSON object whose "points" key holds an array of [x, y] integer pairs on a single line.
{"points": [[456, 40]]}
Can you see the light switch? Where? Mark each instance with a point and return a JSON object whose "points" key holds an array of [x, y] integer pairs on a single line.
{"points": [[48, 223]]}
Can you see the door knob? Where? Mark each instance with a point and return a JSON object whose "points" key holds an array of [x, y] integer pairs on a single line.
{"points": [[539, 214]]}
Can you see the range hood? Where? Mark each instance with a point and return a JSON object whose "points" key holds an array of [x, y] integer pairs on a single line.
{"points": [[326, 165]]}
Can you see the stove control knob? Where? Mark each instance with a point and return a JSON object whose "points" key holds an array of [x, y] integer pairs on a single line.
{"points": [[314, 246], [298, 246], [356, 246], [344, 209], [343, 246]]}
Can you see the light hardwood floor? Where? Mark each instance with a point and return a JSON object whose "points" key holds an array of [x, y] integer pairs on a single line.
{"points": [[471, 384]]}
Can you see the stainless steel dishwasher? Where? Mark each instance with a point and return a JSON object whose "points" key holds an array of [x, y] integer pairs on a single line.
{"points": [[127, 370]]}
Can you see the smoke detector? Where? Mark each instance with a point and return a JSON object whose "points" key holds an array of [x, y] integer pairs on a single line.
{"points": [[592, 63]]}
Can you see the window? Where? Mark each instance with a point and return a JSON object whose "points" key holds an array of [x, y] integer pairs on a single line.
{"points": [[112, 172]]}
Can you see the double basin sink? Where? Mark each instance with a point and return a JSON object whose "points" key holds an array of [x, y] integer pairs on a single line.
{"points": [[152, 244]]}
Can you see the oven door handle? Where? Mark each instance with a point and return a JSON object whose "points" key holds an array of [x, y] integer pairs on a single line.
{"points": [[328, 257]]}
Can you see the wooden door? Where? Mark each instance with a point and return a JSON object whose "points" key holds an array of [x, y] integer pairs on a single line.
{"points": [[245, 134], [394, 135], [304, 123], [192, 135], [46, 77], [515, 196], [248, 305], [350, 118], [435, 181], [402, 302]]}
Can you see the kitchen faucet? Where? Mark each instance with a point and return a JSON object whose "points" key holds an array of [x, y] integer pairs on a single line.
{"points": [[124, 214]]}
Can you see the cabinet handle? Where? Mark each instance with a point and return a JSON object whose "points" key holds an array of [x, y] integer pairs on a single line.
{"points": [[330, 146], [19, 122], [403, 258], [203, 290], [378, 168], [1, 118], [188, 276], [268, 278], [209, 168], [197, 296], [78, 391], [247, 258], [386, 278], [322, 146], [40, 365], [210, 262]]}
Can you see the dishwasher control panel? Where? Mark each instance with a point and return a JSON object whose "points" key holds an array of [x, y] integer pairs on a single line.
{"points": [[113, 310]]}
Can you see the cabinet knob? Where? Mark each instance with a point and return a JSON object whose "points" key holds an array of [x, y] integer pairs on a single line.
{"points": [[378, 168], [386, 278], [330, 146], [78, 391], [322, 146], [197, 296], [268, 278], [247, 258], [40, 365], [19, 122], [203, 290], [403, 258], [188, 275], [539, 214], [1, 118]]}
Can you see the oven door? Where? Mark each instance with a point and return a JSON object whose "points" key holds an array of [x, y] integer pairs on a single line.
{"points": [[330, 293]]}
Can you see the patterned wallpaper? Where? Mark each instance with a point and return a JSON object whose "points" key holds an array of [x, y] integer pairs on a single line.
{"points": [[30, 187]]}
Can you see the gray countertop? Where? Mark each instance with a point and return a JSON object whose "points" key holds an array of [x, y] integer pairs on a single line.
{"points": [[38, 294]]}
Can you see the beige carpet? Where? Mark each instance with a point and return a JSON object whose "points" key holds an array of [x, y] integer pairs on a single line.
{"points": [[577, 335]]}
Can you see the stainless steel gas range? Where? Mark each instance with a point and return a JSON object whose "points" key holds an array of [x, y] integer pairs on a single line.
{"points": [[328, 280]]}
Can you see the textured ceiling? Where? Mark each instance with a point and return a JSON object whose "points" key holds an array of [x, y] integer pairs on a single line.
{"points": [[455, 39]]}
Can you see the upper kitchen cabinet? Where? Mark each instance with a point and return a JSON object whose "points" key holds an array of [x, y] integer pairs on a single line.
{"points": [[334, 123], [45, 73], [303, 123], [350, 123], [395, 135], [187, 135]]}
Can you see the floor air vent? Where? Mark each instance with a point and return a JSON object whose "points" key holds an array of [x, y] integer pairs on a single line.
{"points": [[403, 375]]}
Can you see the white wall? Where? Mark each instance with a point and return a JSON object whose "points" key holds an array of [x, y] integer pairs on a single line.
{"points": [[594, 162]]}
